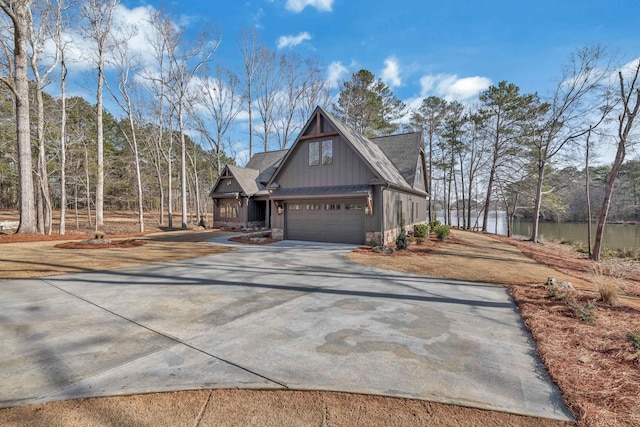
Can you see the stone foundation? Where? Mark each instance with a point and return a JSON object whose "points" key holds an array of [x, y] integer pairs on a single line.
{"points": [[389, 235], [277, 233], [238, 225]]}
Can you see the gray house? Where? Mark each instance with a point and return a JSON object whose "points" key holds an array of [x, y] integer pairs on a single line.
{"points": [[333, 185], [240, 198]]}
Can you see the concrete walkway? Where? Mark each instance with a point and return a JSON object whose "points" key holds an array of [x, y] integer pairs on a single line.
{"points": [[288, 315]]}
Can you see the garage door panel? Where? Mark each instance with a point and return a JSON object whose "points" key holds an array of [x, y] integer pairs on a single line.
{"points": [[325, 225]]}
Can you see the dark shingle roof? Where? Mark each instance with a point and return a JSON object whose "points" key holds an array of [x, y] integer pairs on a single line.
{"points": [[246, 178], [371, 153], [266, 163], [403, 150]]}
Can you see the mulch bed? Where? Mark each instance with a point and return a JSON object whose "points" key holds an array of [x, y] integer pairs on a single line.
{"points": [[245, 239], [84, 244], [594, 365], [429, 245]]}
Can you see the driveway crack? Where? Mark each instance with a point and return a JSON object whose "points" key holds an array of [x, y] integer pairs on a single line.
{"points": [[169, 337]]}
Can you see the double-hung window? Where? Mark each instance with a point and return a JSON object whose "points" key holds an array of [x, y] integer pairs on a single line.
{"points": [[321, 153]]}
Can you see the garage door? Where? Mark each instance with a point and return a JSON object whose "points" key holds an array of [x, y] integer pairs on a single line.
{"points": [[339, 221]]}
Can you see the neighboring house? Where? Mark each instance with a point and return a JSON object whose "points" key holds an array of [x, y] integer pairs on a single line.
{"points": [[240, 198], [333, 185]]}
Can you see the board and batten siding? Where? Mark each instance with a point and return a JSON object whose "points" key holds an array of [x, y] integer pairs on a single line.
{"points": [[222, 186], [347, 168], [398, 203]]}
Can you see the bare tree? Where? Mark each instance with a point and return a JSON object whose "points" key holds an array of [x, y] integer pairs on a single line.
{"points": [[250, 48], [576, 107], [301, 81], [220, 102], [629, 101], [46, 24], [164, 40], [268, 87], [99, 14], [19, 12], [60, 47], [185, 64], [125, 69]]}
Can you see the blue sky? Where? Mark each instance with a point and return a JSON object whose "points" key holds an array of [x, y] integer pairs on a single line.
{"points": [[446, 48], [453, 49]]}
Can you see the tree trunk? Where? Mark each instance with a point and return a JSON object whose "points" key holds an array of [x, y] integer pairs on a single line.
{"points": [[100, 141], [538, 203], [63, 147], [183, 166], [19, 13], [588, 195], [617, 164]]}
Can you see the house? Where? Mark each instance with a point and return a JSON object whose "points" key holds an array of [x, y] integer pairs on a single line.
{"points": [[240, 198], [333, 185]]}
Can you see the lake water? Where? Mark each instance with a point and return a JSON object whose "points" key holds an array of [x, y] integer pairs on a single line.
{"points": [[616, 236]]}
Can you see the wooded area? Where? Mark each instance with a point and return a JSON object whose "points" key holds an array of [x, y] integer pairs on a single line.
{"points": [[177, 119]]}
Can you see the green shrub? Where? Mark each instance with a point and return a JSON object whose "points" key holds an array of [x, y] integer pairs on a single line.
{"points": [[442, 231], [433, 224], [633, 338], [402, 242], [567, 242], [201, 223], [373, 243], [421, 230], [419, 241]]}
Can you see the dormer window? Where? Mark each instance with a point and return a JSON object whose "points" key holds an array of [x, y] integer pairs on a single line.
{"points": [[321, 153]]}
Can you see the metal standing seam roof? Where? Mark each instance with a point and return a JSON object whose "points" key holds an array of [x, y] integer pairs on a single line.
{"points": [[322, 192]]}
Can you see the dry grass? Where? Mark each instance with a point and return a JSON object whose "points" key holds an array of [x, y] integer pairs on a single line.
{"points": [[38, 259]]}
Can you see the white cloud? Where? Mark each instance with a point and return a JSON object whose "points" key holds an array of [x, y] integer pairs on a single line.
{"points": [[299, 5], [336, 72], [286, 41], [391, 72], [451, 87]]}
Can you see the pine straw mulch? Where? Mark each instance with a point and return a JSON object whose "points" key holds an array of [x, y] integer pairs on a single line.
{"points": [[567, 259], [596, 368], [428, 245], [89, 244]]}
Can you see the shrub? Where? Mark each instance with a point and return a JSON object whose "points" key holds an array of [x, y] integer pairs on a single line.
{"points": [[633, 338], [584, 312], [402, 242], [557, 292], [201, 223], [421, 230], [442, 231], [419, 241], [433, 224], [373, 243], [567, 242], [608, 292]]}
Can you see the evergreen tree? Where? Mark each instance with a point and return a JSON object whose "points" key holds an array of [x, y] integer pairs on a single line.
{"points": [[368, 105]]}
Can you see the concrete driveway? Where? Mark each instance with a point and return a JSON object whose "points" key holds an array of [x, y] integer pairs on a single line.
{"points": [[288, 315]]}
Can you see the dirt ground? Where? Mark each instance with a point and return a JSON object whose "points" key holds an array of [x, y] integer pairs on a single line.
{"points": [[595, 392]]}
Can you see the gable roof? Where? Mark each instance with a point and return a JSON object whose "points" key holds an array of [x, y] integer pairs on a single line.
{"points": [[266, 163], [246, 179], [370, 153], [253, 177], [404, 152]]}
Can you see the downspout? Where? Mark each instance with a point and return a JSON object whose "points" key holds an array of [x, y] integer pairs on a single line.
{"points": [[382, 239]]}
